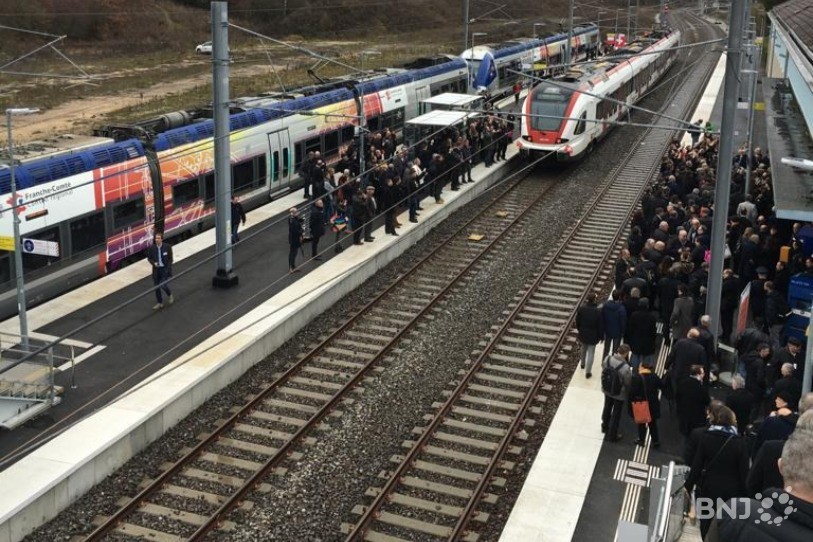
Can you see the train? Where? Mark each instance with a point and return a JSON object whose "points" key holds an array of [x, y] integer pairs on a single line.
{"points": [[565, 116], [94, 202]]}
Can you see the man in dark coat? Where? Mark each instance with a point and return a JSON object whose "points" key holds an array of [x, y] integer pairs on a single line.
{"points": [[159, 254], [642, 334], [755, 364], [728, 304], [776, 312], [238, 216], [614, 318], [667, 293], [787, 384], [791, 353], [623, 266], [687, 352], [372, 210], [591, 331], [317, 226], [779, 525], [692, 398], [295, 236], [741, 402], [358, 216]]}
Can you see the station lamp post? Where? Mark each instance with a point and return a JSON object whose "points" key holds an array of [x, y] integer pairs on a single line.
{"points": [[15, 218], [363, 117]]}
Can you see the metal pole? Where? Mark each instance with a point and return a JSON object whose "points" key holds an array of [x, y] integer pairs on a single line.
{"points": [[752, 101], [568, 52], [362, 122], [18, 249], [723, 188], [807, 375], [224, 275], [629, 19], [465, 24]]}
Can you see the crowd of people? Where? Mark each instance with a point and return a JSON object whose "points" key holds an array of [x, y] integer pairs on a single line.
{"points": [[733, 443], [395, 179]]}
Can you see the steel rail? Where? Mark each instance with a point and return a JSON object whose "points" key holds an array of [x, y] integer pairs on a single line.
{"points": [[458, 531], [133, 504]]}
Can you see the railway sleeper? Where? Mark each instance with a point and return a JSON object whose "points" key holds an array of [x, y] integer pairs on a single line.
{"points": [[446, 489], [191, 494], [179, 515], [221, 479], [449, 472], [422, 504], [272, 434]]}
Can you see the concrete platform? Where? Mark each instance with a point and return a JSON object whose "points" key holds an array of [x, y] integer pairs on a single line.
{"points": [[50, 478]]}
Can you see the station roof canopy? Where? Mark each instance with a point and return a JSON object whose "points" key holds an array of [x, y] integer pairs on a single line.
{"points": [[452, 99], [440, 118], [797, 15], [788, 137]]}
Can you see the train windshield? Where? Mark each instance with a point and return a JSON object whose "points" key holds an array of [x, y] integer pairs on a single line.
{"points": [[548, 106]]}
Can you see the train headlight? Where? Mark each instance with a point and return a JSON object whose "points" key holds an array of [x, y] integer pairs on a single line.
{"points": [[568, 150], [527, 138]]}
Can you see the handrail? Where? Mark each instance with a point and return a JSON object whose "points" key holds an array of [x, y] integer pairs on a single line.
{"points": [[662, 520]]}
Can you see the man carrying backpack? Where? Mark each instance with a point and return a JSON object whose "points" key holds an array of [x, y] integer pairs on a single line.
{"points": [[616, 377]]}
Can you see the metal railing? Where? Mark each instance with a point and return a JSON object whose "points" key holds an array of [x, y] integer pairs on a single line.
{"points": [[667, 503], [28, 389]]}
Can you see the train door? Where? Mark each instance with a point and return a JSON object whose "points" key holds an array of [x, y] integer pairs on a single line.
{"points": [[281, 167], [421, 94]]}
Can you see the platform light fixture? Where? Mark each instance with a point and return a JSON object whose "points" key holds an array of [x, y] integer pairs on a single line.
{"points": [[18, 252]]}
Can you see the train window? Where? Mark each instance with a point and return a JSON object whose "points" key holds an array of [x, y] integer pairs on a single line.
{"points": [[332, 142], [5, 266], [36, 261], [298, 157], [374, 124], [87, 232], [209, 189], [548, 105], [185, 192], [313, 145], [242, 176], [128, 213], [274, 166], [581, 124], [262, 169], [348, 132], [286, 160]]}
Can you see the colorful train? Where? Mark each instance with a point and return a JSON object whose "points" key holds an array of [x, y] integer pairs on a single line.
{"points": [[96, 201]]}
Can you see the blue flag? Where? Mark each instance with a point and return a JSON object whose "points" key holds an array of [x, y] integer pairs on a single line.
{"points": [[487, 72]]}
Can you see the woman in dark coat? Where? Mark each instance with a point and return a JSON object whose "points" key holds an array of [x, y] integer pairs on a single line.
{"points": [[720, 465], [646, 386]]}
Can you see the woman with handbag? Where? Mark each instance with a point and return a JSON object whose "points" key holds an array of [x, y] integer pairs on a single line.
{"points": [[645, 403], [720, 465]]}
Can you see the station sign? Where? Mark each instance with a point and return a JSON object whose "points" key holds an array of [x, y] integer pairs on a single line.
{"points": [[38, 246]]}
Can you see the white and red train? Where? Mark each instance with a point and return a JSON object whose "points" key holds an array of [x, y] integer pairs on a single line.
{"points": [[566, 116]]}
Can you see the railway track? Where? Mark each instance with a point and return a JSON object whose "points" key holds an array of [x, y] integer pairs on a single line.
{"points": [[439, 487], [195, 495]]}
